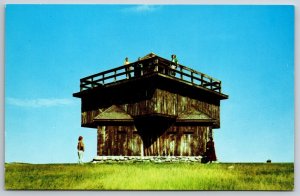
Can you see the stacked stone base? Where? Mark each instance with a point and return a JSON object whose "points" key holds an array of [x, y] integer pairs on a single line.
{"points": [[154, 159]]}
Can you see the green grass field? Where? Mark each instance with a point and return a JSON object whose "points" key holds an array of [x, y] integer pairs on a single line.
{"points": [[150, 176]]}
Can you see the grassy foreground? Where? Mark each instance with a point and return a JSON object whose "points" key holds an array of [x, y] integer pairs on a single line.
{"points": [[150, 176]]}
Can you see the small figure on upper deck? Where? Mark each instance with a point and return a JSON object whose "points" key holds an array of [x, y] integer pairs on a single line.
{"points": [[127, 68], [173, 65]]}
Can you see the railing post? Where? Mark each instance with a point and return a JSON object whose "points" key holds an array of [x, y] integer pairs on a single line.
{"points": [[142, 69], [92, 82], [115, 77], [211, 83], [181, 77], [192, 77], [201, 80], [156, 68], [103, 79]]}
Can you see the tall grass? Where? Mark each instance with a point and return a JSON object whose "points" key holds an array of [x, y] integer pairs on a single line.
{"points": [[150, 176]]}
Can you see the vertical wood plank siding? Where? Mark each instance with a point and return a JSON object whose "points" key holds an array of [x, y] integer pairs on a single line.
{"points": [[149, 139], [118, 140], [176, 141], [162, 102]]}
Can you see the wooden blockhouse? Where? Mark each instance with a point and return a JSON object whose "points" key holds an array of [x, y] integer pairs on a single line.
{"points": [[146, 108]]}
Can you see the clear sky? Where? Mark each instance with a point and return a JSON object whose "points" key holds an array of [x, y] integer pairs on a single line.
{"points": [[48, 48]]}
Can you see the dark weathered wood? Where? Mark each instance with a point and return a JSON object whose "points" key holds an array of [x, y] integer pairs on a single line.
{"points": [[162, 102], [118, 140], [175, 141], [154, 113]]}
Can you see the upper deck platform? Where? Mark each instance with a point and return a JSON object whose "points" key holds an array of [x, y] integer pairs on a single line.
{"points": [[151, 65]]}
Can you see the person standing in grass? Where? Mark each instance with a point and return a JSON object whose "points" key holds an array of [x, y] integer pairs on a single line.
{"points": [[80, 148], [210, 150]]}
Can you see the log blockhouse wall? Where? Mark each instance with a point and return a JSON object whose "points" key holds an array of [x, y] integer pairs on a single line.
{"points": [[178, 139], [153, 113], [162, 102], [175, 141]]}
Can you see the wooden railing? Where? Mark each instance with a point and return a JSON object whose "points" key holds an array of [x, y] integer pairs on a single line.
{"points": [[147, 67]]}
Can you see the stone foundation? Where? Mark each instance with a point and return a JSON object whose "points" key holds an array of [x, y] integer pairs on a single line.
{"points": [[154, 159]]}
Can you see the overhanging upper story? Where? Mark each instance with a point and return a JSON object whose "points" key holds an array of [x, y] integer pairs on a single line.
{"points": [[150, 87]]}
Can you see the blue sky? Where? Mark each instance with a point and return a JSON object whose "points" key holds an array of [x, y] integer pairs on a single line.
{"points": [[48, 48]]}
